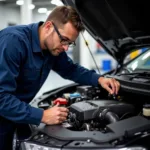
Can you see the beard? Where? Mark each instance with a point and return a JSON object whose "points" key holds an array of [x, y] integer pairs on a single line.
{"points": [[54, 51]]}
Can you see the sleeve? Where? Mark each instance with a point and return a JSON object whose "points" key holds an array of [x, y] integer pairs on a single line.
{"points": [[12, 52], [65, 67]]}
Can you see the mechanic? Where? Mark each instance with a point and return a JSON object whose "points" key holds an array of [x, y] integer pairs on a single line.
{"points": [[28, 53]]}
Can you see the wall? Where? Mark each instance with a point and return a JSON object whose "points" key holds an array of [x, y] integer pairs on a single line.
{"points": [[12, 15], [36, 17], [9, 15]]}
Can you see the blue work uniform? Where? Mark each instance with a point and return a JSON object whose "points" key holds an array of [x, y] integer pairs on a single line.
{"points": [[24, 67]]}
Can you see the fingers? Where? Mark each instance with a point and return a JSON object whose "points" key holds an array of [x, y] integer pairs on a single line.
{"points": [[108, 89], [115, 86], [60, 119], [55, 115], [61, 114], [63, 109], [112, 86], [112, 83]]}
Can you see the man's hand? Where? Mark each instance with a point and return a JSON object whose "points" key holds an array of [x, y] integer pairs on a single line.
{"points": [[110, 84], [55, 115]]}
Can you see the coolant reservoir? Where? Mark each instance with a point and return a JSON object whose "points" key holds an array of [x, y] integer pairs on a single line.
{"points": [[146, 110]]}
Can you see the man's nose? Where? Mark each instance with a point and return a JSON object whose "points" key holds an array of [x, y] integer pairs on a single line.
{"points": [[65, 47]]}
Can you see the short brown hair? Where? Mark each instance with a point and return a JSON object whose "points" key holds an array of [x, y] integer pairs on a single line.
{"points": [[63, 14]]}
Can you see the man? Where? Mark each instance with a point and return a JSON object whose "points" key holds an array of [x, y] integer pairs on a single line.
{"points": [[27, 54]]}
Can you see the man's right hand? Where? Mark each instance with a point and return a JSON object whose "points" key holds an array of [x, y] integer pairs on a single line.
{"points": [[55, 115]]}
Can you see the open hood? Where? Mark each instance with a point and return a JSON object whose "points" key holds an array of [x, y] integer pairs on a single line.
{"points": [[120, 26]]}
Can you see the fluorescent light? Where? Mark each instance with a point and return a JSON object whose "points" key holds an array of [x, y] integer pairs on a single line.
{"points": [[42, 10], [57, 2], [19, 2], [48, 12], [31, 6]]}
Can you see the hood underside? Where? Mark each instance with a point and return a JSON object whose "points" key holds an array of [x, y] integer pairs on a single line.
{"points": [[119, 26]]}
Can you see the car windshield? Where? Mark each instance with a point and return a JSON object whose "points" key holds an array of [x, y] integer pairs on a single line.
{"points": [[141, 63]]}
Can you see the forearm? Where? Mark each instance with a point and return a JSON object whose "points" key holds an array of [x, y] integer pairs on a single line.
{"points": [[84, 76], [65, 67]]}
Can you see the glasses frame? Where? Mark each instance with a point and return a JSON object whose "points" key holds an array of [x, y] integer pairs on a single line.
{"points": [[67, 42]]}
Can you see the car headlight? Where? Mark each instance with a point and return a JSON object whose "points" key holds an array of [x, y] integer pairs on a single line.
{"points": [[32, 146], [133, 148]]}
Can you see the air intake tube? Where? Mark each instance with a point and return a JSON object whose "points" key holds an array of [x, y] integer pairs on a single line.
{"points": [[109, 116], [106, 115]]}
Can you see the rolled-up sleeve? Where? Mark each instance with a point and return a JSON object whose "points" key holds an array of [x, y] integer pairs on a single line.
{"points": [[65, 67], [12, 53]]}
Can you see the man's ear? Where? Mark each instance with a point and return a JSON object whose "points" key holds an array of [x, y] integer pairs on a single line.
{"points": [[48, 25]]}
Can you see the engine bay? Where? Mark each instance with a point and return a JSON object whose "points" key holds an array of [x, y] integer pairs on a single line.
{"points": [[96, 116]]}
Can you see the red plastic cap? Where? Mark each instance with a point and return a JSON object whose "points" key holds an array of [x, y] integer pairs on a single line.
{"points": [[61, 101]]}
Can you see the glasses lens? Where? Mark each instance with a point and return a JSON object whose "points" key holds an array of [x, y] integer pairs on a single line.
{"points": [[66, 42], [71, 45]]}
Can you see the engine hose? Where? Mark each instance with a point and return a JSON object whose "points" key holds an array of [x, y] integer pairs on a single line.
{"points": [[105, 114], [111, 117]]}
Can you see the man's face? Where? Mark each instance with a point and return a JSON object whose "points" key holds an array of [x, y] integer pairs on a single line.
{"points": [[59, 38]]}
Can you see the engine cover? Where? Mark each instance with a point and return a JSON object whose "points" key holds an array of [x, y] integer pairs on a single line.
{"points": [[86, 110]]}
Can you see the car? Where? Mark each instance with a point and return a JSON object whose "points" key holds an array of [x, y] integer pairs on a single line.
{"points": [[98, 120]]}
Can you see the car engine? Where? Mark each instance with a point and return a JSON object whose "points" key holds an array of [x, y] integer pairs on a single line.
{"points": [[95, 114], [96, 120], [90, 110]]}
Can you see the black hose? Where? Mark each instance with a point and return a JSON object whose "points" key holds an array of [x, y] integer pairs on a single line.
{"points": [[105, 114], [111, 117]]}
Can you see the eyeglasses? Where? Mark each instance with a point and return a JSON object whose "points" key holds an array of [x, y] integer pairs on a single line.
{"points": [[63, 40]]}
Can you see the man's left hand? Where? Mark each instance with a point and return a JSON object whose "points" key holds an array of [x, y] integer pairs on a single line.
{"points": [[110, 84]]}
